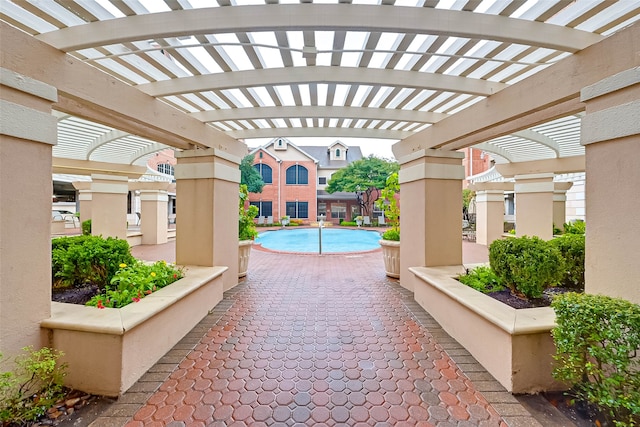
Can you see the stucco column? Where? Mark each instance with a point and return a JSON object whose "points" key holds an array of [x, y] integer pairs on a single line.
{"points": [[84, 199], [490, 210], [560, 203], [154, 199], [611, 136], [208, 195], [28, 132], [109, 205], [534, 205], [430, 211]]}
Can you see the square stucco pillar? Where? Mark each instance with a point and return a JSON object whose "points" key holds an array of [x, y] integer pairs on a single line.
{"points": [[534, 205], [154, 212], [109, 205], [28, 132], [560, 203], [84, 199], [490, 210], [611, 136], [430, 211], [489, 216], [207, 191]]}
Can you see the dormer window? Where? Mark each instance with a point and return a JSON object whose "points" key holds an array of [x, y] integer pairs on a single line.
{"points": [[280, 144], [337, 152]]}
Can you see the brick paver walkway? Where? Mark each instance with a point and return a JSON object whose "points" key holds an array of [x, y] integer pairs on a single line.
{"points": [[309, 340]]}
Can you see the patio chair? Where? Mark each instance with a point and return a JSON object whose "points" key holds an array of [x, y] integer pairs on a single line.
{"points": [[366, 220], [260, 220], [269, 220], [139, 217], [381, 221]]}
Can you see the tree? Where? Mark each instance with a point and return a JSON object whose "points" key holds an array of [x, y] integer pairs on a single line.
{"points": [[365, 177], [250, 176]]}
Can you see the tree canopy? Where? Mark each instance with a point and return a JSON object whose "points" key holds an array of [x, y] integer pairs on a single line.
{"points": [[250, 176], [365, 177]]}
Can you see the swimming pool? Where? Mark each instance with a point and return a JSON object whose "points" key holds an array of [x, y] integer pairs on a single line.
{"points": [[306, 240]]}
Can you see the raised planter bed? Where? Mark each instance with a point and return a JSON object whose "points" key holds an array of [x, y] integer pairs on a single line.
{"points": [[109, 349], [515, 346]]}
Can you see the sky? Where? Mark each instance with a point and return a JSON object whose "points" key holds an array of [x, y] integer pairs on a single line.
{"points": [[377, 147]]}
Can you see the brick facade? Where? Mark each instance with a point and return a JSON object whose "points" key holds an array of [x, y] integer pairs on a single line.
{"points": [[280, 155]]}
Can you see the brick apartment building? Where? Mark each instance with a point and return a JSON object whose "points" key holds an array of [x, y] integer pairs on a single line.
{"points": [[295, 181]]}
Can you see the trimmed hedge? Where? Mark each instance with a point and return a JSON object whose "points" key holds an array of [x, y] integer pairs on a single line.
{"points": [[571, 246], [598, 343], [526, 265], [78, 260]]}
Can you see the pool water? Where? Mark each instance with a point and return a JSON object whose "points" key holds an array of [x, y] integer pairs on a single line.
{"points": [[306, 240]]}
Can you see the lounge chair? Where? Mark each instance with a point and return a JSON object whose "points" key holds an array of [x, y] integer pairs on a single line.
{"points": [[260, 220], [269, 220], [381, 221], [366, 220]]}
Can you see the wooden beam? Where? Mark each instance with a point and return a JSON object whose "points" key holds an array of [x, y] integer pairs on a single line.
{"points": [[88, 167], [549, 94], [90, 93], [556, 166]]}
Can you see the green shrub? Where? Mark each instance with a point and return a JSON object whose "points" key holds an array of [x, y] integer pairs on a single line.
{"points": [[390, 207], [86, 227], [556, 230], [348, 224], [571, 246], [392, 234], [79, 260], [598, 342], [482, 279], [134, 281], [32, 387], [575, 227], [527, 265], [246, 226]]}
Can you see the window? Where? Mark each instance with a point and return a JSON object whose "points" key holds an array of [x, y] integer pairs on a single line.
{"points": [[265, 172], [298, 209], [297, 175], [338, 210], [337, 152], [264, 208], [322, 209], [322, 180], [165, 168]]}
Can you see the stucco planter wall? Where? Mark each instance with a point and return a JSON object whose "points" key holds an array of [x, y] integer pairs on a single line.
{"points": [[109, 349], [515, 346], [244, 251], [391, 256]]}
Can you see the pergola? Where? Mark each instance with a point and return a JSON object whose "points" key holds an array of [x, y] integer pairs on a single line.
{"points": [[545, 86], [369, 69]]}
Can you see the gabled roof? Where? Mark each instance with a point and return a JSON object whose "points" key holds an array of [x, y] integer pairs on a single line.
{"points": [[264, 149], [291, 144], [322, 154]]}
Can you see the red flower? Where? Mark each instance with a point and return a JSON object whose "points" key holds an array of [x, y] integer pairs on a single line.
{"points": [[175, 276], [100, 304], [135, 299], [148, 292]]}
